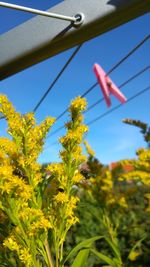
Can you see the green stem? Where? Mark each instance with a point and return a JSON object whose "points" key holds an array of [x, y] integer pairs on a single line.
{"points": [[57, 258], [61, 252], [56, 248], [49, 255]]}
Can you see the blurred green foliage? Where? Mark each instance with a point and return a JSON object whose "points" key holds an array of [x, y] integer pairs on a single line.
{"points": [[124, 203]]}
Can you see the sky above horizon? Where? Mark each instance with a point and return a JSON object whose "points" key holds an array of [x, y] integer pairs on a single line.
{"points": [[111, 139]]}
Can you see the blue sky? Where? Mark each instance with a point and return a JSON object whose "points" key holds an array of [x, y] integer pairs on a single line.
{"points": [[109, 137]]}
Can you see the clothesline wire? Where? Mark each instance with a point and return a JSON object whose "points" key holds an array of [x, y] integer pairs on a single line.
{"points": [[100, 100], [118, 106], [84, 94], [57, 77], [110, 71], [110, 111], [129, 54]]}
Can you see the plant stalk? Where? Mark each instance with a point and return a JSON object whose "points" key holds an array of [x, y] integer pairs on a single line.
{"points": [[49, 255]]}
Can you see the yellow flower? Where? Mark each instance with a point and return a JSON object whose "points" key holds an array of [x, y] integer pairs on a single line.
{"points": [[123, 203], [148, 209], [55, 169], [29, 117], [82, 129], [2, 156], [71, 137], [104, 188], [37, 179], [6, 171], [25, 257], [14, 184], [133, 255], [147, 196], [11, 243], [77, 177], [108, 183], [89, 150], [80, 118], [71, 221], [78, 104], [138, 175], [76, 155], [30, 214], [25, 194], [42, 223], [71, 206], [61, 197], [111, 200], [141, 167]]}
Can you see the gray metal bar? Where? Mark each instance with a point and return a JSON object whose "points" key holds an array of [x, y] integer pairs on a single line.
{"points": [[37, 11], [41, 38]]}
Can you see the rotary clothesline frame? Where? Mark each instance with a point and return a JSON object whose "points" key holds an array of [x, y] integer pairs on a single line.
{"points": [[41, 37]]}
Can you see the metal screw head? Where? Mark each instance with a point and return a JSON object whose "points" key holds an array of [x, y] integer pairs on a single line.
{"points": [[79, 19]]}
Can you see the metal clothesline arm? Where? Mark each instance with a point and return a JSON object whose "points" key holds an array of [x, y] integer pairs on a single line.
{"points": [[39, 38]]}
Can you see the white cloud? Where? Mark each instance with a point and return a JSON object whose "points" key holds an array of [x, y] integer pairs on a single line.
{"points": [[125, 144]]}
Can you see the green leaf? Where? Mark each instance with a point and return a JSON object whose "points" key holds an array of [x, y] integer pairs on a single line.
{"points": [[113, 247], [81, 258], [84, 244], [103, 257], [137, 244]]}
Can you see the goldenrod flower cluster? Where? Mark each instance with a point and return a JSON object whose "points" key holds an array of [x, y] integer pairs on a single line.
{"points": [[20, 178], [140, 171], [133, 255], [66, 174], [61, 198], [78, 177], [23, 252], [89, 150], [103, 189], [77, 106], [22, 186], [141, 167], [123, 202]]}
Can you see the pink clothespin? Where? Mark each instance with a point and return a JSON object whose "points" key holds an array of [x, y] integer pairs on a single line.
{"points": [[107, 85]]}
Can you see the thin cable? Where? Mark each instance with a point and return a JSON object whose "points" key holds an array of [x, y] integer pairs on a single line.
{"points": [[57, 130], [128, 55], [110, 71], [65, 111], [83, 95], [118, 106], [57, 77], [134, 76], [89, 90], [99, 101], [38, 12]]}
